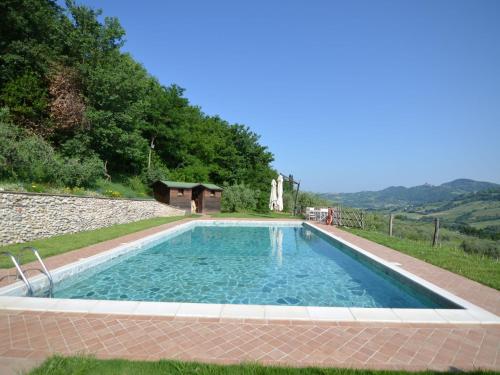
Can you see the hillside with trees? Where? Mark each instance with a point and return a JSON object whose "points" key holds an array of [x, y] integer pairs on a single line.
{"points": [[403, 198], [75, 110]]}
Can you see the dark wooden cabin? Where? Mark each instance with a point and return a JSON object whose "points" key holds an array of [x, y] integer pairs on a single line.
{"points": [[207, 197]]}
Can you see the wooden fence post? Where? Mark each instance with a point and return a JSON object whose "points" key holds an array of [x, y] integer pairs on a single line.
{"points": [[435, 237], [391, 220]]}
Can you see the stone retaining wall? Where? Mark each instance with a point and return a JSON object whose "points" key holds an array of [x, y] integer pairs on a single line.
{"points": [[28, 216]]}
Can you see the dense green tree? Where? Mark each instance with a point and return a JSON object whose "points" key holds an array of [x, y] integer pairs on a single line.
{"points": [[73, 95], [239, 197], [27, 100]]}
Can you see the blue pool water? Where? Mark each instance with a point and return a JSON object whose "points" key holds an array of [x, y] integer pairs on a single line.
{"points": [[265, 265]]}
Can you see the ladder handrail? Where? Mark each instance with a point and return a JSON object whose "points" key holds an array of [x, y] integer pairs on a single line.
{"points": [[45, 270], [19, 270]]}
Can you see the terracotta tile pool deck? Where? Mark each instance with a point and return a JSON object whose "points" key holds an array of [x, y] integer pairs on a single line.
{"points": [[27, 337]]}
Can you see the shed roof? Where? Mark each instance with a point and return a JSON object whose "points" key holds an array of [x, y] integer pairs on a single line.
{"points": [[211, 186], [189, 185]]}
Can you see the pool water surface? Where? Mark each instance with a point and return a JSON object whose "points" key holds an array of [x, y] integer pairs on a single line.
{"points": [[264, 265]]}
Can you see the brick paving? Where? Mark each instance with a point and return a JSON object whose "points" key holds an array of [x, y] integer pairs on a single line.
{"points": [[35, 335]]}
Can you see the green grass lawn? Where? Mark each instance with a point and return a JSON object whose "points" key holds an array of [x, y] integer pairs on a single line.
{"points": [[87, 365], [67, 242], [255, 215], [475, 267]]}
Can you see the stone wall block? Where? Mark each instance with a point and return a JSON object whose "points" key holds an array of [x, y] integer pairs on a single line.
{"points": [[28, 216]]}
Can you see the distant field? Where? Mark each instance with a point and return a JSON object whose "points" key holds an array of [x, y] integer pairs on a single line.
{"points": [[472, 212], [486, 223], [475, 214]]}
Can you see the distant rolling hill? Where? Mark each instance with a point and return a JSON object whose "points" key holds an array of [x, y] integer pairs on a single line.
{"points": [[403, 198], [480, 210]]}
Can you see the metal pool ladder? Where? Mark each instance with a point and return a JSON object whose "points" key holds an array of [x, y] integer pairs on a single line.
{"points": [[21, 273]]}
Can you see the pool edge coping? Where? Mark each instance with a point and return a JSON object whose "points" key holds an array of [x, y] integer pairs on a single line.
{"points": [[470, 314]]}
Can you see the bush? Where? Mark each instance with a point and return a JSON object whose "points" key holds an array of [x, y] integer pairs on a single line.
{"points": [[25, 158], [80, 173], [157, 171], [262, 202], [239, 198], [288, 200], [35, 188], [376, 222], [31, 159], [482, 247], [306, 199], [136, 184]]}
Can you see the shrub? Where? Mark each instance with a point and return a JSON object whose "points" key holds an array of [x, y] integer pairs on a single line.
{"points": [[35, 188], [288, 200], [136, 184], [31, 159], [483, 247], [27, 100], [74, 172], [262, 201], [26, 158], [306, 199], [376, 222], [239, 198], [157, 171]]}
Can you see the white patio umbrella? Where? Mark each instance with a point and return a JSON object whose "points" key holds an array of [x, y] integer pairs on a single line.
{"points": [[273, 198], [280, 193]]}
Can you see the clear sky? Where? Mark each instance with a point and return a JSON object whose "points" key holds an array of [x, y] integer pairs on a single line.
{"points": [[348, 95]]}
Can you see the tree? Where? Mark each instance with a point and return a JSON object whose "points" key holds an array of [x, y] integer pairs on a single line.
{"points": [[65, 79]]}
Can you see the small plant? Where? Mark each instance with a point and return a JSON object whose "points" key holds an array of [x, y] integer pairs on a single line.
{"points": [[35, 188], [112, 193], [78, 191], [136, 184]]}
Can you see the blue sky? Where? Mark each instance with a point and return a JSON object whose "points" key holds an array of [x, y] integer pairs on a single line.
{"points": [[349, 96]]}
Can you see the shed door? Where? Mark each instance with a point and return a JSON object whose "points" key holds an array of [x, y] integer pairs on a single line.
{"points": [[198, 198]]}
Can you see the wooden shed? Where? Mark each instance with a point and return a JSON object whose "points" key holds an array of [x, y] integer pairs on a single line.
{"points": [[207, 197]]}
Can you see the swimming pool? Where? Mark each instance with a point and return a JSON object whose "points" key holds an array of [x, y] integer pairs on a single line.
{"points": [[249, 263]]}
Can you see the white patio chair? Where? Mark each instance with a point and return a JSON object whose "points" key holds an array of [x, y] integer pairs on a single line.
{"points": [[323, 213]]}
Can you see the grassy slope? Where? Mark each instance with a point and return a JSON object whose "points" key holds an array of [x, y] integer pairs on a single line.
{"points": [[86, 365], [102, 189], [67, 242], [475, 267]]}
